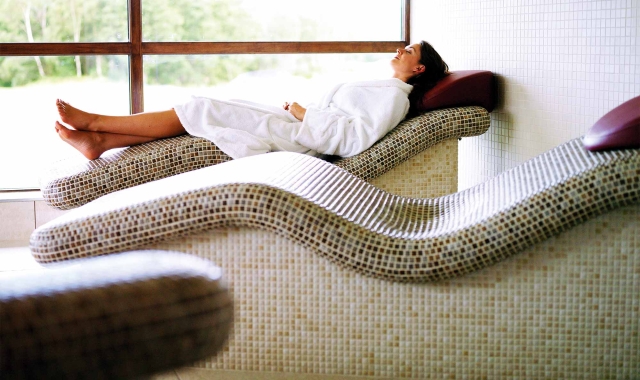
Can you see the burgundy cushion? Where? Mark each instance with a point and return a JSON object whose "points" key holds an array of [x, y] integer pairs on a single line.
{"points": [[459, 89], [618, 129]]}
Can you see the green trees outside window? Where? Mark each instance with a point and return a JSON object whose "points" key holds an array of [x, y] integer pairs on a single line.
{"points": [[122, 56], [59, 21], [174, 21]]}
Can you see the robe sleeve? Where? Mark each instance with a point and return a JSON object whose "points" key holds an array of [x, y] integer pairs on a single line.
{"points": [[354, 120]]}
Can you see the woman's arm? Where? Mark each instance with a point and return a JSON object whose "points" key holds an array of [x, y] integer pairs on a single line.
{"points": [[356, 121]]}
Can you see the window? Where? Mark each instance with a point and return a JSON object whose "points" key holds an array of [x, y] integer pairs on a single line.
{"points": [[272, 20], [124, 56]]}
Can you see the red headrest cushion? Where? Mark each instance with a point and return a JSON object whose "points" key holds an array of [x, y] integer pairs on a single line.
{"points": [[618, 129], [459, 89]]}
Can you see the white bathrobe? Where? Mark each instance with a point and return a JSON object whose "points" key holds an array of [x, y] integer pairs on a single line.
{"points": [[348, 120]]}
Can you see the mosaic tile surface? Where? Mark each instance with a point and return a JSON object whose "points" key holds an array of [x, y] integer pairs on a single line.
{"points": [[349, 221], [566, 307], [429, 174], [69, 184], [414, 136], [119, 316]]}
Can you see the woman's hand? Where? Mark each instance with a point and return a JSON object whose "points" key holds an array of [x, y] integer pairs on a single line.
{"points": [[295, 109]]}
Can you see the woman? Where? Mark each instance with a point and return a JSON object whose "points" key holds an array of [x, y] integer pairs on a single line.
{"points": [[348, 120]]}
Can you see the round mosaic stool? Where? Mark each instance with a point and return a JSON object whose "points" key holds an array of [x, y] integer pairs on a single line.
{"points": [[118, 316]]}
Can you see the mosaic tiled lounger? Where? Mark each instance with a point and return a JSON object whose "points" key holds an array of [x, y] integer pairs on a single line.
{"points": [[114, 317], [74, 183], [333, 213], [562, 308], [71, 184]]}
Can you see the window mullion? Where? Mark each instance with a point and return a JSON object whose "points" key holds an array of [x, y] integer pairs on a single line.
{"points": [[406, 25], [136, 77], [136, 48], [161, 48], [63, 48]]}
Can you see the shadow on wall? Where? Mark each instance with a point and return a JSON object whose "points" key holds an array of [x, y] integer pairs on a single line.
{"points": [[504, 129], [499, 91], [497, 141]]}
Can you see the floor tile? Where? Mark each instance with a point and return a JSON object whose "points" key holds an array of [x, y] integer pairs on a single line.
{"points": [[46, 213], [17, 222], [210, 374], [169, 375]]}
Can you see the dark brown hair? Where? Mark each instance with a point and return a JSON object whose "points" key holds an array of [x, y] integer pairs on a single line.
{"points": [[435, 69]]}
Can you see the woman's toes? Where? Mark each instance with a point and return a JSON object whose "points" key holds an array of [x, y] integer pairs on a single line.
{"points": [[61, 105], [59, 127], [74, 117], [86, 143]]}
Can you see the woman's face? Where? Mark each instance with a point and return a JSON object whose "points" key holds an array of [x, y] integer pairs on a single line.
{"points": [[406, 63]]}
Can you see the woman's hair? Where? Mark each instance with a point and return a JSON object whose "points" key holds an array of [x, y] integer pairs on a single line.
{"points": [[435, 69]]}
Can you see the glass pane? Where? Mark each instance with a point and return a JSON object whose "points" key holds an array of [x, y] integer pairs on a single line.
{"points": [[63, 21], [266, 79], [29, 142], [272, 20]]}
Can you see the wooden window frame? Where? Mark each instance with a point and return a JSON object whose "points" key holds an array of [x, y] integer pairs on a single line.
{"points": [[136, 49]]}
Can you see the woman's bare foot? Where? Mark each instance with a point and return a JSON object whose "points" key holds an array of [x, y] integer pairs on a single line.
{"points": [[74, 117], [86, 142]]}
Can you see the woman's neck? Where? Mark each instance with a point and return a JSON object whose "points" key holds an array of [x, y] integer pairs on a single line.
{"points": [[401, 77]]}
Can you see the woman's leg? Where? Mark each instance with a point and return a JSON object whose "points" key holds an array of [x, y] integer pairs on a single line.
{"points": [[149, 124], [93, 144]]}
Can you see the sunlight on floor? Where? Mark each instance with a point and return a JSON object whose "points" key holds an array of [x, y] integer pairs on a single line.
{"points": [[17, 259]]}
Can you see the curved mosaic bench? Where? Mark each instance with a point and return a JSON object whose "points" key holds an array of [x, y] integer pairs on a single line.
{"points": [[349, 221], [70, 183], [120, 316], [414, 136]]}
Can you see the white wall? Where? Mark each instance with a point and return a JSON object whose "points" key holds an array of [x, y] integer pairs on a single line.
{"points": [[561, 64]]}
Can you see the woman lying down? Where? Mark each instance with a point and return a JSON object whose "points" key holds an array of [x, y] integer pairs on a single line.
{"points": [[349, 119]]}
